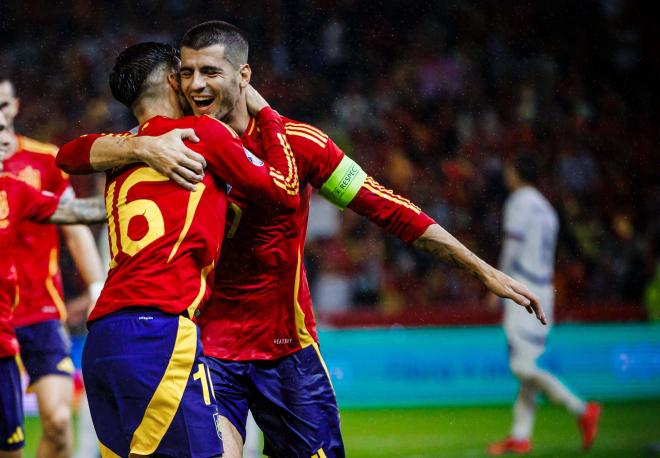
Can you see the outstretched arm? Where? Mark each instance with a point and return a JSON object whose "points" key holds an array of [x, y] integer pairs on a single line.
{"points": [[443, 245], [348, 186], [90, 210], [167, 154]]}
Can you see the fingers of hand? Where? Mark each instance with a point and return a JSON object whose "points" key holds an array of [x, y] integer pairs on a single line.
{"points": [[187, 174], [518, 298], [188, 134], [183, 183], [194, 166], [541, 315], [195, 157]]}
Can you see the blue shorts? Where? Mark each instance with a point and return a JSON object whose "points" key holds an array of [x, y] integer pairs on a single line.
{"points": [[11, 406], [45, 349], [148, 386], [291, 399]]}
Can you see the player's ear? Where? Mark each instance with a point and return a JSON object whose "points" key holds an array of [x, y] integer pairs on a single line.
{"points": [[174, 81], [245, 74]]}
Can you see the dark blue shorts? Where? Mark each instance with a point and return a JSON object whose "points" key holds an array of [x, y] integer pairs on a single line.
{"points": [[291, 399], [45, 349], [11, 406], [148, 386]]}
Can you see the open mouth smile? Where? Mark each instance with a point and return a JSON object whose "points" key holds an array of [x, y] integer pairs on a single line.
{"points": [[203, 101]]}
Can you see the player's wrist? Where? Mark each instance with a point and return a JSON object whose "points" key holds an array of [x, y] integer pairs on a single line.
{"points": [[138, 149]]}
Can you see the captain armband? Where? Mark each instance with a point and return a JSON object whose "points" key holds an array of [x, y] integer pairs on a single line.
{"points": [[344, 183]]}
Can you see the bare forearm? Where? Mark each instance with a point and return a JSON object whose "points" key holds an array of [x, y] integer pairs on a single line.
{"points": [[446, 247], [82, 247], [89, 210], [443, 245], [110, 152]]}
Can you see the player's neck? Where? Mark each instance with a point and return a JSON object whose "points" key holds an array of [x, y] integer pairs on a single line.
{"points": [[147, 110], [239, 118]]}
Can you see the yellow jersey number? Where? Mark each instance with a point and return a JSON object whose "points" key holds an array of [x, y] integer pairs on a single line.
{"points": [[204, 376], [127, 210]]}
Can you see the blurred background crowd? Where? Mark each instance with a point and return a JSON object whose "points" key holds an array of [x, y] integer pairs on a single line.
{"points": [[430, 98]]}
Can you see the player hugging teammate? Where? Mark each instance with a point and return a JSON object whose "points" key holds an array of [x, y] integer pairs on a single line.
{"points": [[255, 313]]}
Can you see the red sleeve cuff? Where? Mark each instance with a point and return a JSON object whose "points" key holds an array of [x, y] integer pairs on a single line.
{"points": [[73, 157]]}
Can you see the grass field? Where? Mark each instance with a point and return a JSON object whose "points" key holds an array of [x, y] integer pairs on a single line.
{"points": [[626, 430]]}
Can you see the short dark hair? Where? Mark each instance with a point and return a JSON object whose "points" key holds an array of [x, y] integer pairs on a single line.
{"points": [[133, 66], [527, 167], [219, 33]]}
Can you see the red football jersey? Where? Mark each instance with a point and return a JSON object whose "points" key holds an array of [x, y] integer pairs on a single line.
{"points": [[261, 306], [19, 204], [37, 246], [164, 240]]}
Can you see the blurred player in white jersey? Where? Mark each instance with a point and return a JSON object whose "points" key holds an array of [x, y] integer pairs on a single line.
{"points": [[528, 255]]}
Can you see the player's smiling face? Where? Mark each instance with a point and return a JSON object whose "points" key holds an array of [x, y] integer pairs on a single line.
{"points": [[210, 82]]}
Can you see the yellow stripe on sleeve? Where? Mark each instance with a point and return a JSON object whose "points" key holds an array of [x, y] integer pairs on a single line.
{"points": [[307, 127], [166, 399], [307, 136], [290, 184], [385, 193]]}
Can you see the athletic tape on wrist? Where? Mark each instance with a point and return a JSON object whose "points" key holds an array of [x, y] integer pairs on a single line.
{"points": [[344, 183]]}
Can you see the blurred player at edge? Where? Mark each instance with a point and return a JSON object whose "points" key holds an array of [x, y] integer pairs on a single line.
{"points": [[528, 254], [148, 385], [259, 328], [40, 314], [19, 203]]}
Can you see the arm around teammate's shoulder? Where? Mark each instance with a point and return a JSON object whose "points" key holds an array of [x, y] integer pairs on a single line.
{"points": [[167, 154], [228, 160]]}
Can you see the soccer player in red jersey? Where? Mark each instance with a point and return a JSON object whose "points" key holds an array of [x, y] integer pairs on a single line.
{"points": [[20, 203], [258, 328], [39, 316], [147, 382]]}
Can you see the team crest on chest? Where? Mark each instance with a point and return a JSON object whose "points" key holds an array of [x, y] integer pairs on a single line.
{"points": [[31, 176], [4, 210]]}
